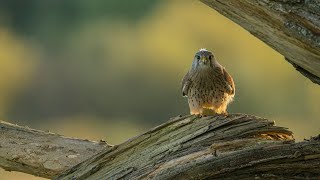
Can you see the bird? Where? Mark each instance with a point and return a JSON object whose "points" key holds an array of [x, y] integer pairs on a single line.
{"points": [[208, 87]]}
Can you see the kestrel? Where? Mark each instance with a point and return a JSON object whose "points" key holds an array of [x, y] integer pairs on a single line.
{"points": [[207, 85]]}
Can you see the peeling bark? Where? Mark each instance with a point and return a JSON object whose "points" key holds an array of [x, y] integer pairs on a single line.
{"points": [[187, 147], [213, 147], [206, 148]]}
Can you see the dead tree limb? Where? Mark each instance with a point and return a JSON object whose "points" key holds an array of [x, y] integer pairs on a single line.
{"points": [[41, 153], [237, 146], [291, 27], [188, 147], [206, 148]]}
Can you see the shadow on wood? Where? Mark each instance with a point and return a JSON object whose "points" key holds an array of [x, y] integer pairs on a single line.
{"points": [[210, 147], [237, 146]]}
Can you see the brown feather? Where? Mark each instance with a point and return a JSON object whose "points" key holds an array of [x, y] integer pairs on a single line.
{"points": [[185, 84], [229, 79]]}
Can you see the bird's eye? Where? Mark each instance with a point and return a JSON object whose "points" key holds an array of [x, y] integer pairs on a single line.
{"points": [[210, 57], [198, 57]]}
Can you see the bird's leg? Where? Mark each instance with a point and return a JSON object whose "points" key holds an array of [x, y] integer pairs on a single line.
{"points": [[208, 112], [199, 115], [196, 110], [225, 113], [222, 111]]}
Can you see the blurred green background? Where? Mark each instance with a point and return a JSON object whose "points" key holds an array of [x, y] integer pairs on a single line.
{"points": [[112, 69]]}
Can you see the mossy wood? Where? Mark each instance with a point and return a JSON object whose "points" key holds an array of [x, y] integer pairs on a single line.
{"points": [[291, 27]]}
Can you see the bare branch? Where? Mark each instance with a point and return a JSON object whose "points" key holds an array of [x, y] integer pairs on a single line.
{"points": [[185, 147], [291, 27], [210, 147], [41, 153]]}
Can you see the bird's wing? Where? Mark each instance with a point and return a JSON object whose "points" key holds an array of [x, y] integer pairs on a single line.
{"points": [[229, 80], [186, 81]]}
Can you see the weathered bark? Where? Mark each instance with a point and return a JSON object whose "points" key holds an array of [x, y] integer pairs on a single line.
{"points": [[237, 146], [206, 148], [187, 147], [42, 153], [291, 27]]}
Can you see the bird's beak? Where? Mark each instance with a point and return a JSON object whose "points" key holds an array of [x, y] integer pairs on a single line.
{"points": [[203, 58]]}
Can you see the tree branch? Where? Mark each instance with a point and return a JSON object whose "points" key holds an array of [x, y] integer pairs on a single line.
{"points": [[290, 27], [209, 147], [236, 146], [42, 153], [185, 147]]}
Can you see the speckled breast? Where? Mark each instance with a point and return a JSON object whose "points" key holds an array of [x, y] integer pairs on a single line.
{"points": [[207, 89]]}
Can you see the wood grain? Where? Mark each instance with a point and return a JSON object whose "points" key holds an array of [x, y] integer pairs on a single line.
{"points": [[291, 27], [42, 153], [206, 148]]}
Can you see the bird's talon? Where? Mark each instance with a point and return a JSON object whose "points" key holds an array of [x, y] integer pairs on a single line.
{"points": [[225, 114]]}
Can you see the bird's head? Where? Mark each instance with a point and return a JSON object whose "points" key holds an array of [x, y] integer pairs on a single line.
{"points": [[203, 59]]}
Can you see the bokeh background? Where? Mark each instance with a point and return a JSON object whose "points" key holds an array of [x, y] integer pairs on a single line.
{"points": [[112, 69]]}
